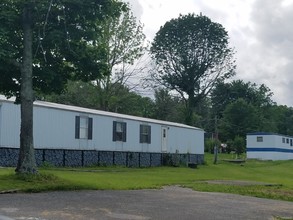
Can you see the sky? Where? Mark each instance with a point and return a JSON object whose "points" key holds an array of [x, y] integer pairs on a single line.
{"points": [[261, 31]]}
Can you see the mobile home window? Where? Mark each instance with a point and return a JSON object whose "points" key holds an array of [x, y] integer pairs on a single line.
{"points": [[119, 131], [291, 142], [83, 127], [283, 140], [259, 139], [287, 140], [145, 134]]}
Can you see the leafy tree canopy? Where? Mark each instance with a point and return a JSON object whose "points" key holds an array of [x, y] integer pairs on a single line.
{"points": [[226, 93], [123, 40], [192, 53], [239, 118], [42, 45], [168, 107], [122, 100], [65, 42]]}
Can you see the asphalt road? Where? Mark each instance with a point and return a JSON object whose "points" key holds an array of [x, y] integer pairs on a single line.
{"points": [[168, 203]]}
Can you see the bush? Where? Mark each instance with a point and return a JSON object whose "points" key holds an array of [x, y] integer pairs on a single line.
{"points": [[171, 159], [239, 145], [210, 144]]}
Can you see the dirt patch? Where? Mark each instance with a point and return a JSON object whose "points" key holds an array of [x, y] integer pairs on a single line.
{"points": [[240, 183], [9, 191]]}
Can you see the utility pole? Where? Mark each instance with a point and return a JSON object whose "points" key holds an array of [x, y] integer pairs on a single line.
{"points": [[216, 142]]}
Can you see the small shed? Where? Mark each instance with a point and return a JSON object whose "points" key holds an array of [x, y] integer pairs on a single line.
{"points": [[269, 146], [82, 131]]}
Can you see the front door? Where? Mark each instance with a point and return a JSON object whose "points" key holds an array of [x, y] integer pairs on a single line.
{"points": [[164, 139]]}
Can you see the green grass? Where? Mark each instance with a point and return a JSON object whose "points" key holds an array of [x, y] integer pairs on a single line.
{"points": [[101, 178]]}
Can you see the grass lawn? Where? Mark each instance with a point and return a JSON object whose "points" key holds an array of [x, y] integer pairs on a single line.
{"points": [[101, 178]]}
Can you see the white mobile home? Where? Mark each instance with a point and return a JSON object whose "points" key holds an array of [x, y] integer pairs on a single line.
{"points": [[269, 146], [65, 127]]}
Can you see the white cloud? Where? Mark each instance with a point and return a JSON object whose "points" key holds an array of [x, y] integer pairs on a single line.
{"points": [[260, 31], [156, 13], [268, 59]]}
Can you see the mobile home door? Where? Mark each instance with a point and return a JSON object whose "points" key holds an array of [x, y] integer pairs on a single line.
{"points": [[164, 138]]}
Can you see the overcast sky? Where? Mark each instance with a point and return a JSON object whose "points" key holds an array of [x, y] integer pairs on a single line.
{"points": [[261, 31]]}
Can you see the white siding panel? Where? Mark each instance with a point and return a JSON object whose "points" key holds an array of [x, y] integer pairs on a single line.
{"points": [[133, 136], [54, 127], [10, 125], [102, 133], [270, 155], [186, 141], [155, 145], [271, 148], [268, 141], [1, 124]]}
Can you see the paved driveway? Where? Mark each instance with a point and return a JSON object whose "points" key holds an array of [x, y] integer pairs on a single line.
{"points": [[168, 203]]}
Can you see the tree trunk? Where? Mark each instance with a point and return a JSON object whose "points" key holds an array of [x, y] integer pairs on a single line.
{"points": [[26, 161]]}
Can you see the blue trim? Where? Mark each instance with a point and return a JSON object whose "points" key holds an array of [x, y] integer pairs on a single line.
{"points": [[269, 133], [264, 133], [268, 149]]}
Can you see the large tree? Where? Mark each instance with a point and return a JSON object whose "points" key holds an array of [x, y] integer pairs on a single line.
{"points": [[226, 93], [124, 42], [42, 44], [239, 118], [192, 53], [77, 93], [279, 119], [168, 107]]}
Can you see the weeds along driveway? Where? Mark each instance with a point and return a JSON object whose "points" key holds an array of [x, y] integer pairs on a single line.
{"points": [[168, 203]]}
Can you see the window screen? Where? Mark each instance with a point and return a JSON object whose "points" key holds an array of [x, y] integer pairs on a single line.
{"points": [[83, 127], [119, 131], [145, 134], [259, 139]]}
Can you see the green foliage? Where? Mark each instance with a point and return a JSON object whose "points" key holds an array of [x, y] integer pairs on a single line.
{"points": [[191, 53], [281, 218], [209, 145], [134, 104], [168, 107], [42, 177], [124, 42], [230, 146], [123, 38], [47, 164], [43, 44], [172, 160], [261, 113], [279, 119], [226, 93], [77, 93], [239, 145], [239, 118], [122, 100], [65, 43]]}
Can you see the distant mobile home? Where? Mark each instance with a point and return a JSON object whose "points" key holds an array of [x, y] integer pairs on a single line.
{"points": [[73, 136], [269, 146]]}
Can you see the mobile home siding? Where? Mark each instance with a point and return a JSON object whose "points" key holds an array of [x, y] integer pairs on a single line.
{"points": [[49, 129], [56, 129], [269, 146], [10, 125], [0, 121]]}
